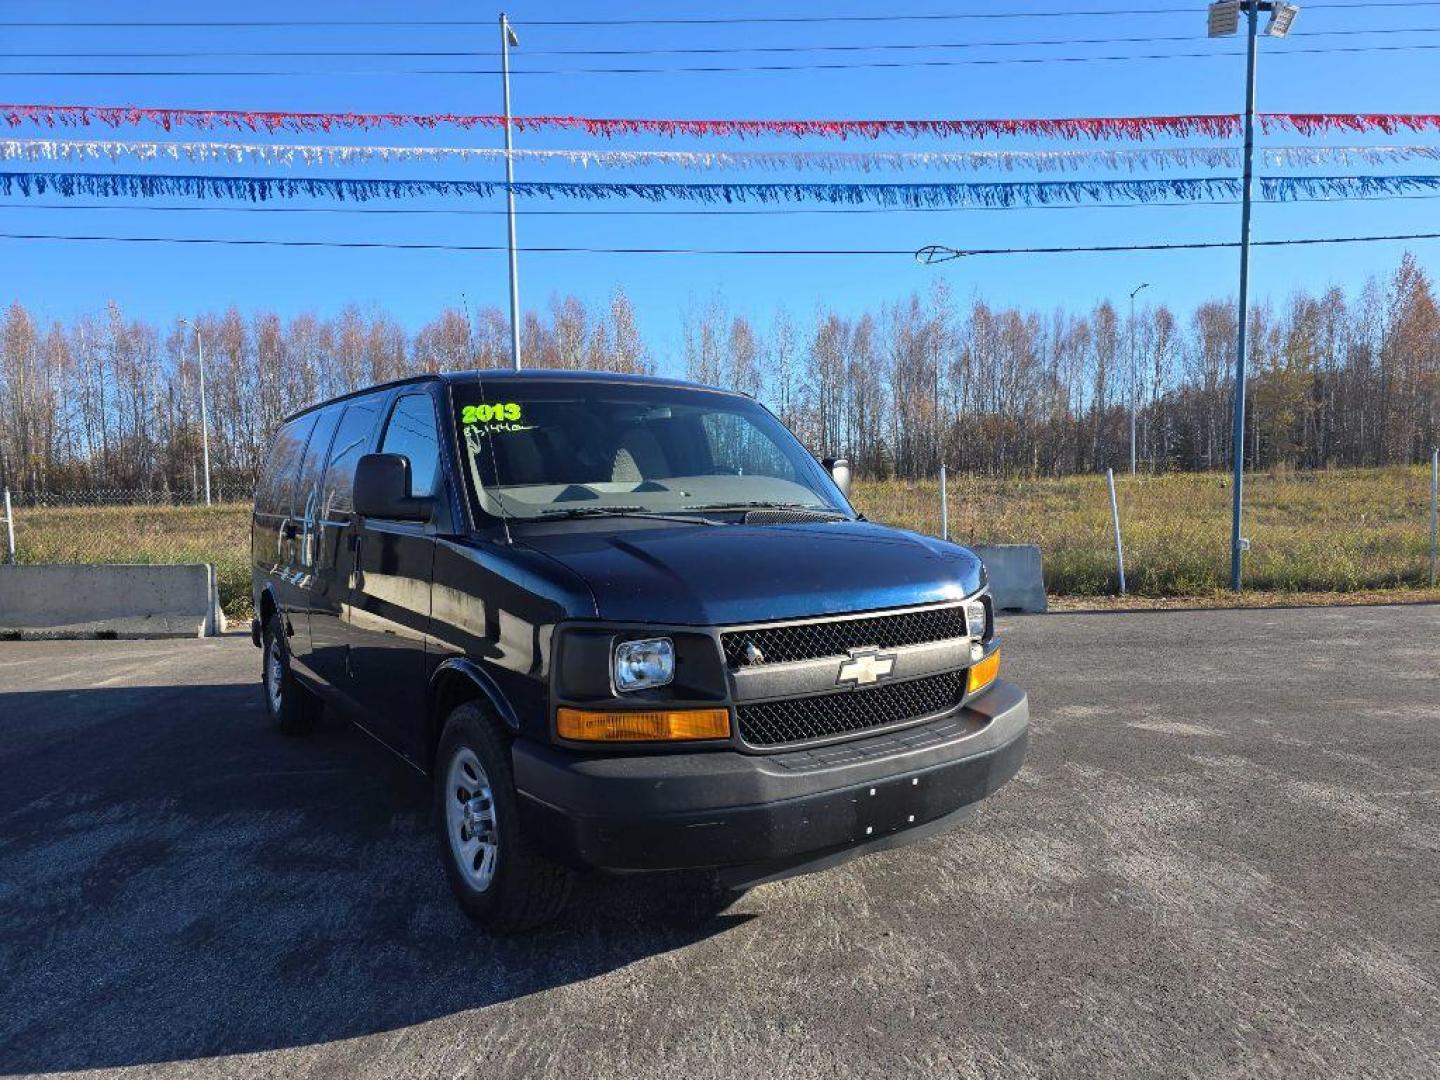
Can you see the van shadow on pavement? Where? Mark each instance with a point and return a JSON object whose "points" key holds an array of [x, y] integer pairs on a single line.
{"points": [[177, 881]]}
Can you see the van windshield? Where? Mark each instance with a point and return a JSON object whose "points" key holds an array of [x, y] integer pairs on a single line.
{"points": [[543, 450]]}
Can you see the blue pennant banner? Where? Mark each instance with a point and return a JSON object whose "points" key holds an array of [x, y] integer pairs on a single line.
{"points": [[1016, 193]]}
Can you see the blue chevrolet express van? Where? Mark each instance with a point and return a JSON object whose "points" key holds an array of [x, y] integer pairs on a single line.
{"points": [[623, 623]]}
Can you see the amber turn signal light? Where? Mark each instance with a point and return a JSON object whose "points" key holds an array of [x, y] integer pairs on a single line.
{"points": [[983, 673], [668, 725]]}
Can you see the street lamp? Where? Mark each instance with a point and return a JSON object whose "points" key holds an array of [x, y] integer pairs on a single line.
{"points": [[508, 39], [1282, 17], [1134, 380], [1224, 18], [204, 412]]}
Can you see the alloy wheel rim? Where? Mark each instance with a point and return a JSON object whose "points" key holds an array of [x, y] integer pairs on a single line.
{"points": [[470, 816], [274, 676]]}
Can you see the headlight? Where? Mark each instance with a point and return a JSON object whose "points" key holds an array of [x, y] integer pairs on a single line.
{"points": [[642, 665], [976, 619]]}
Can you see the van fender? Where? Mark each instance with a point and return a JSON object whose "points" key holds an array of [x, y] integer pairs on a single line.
{"points": [[257, 624], [460, 667]]}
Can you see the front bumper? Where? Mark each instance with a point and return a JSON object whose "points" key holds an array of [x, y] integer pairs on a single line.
{"points": [[761, 816]]}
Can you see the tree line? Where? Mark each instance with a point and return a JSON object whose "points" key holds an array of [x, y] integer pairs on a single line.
{"points": [[110, 402]]}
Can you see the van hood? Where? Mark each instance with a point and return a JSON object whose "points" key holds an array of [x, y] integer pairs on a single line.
{"points": [[698, 575]]}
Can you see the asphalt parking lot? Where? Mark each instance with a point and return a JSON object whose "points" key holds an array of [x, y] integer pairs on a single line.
{"points": [[1222, 858]]}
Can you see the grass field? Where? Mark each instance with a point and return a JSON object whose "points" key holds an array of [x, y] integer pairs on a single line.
{"points": [[1337, 531], [1358, 531], [145, 534]]}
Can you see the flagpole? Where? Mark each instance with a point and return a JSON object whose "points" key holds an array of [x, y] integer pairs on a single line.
{"points": [[508, 38]]}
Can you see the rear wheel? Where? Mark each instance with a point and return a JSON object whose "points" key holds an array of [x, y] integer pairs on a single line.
{"points": [[500, 882], [292, 708]]}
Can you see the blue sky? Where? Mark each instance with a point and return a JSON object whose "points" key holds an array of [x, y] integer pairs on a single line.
{"points": [[157, 282]]}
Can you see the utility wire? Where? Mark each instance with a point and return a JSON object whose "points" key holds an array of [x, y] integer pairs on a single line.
{"points": [[411, 246], [941, 253], [1191, 11], [710, 69], [989, 15], [723, 50], [772, 211]]}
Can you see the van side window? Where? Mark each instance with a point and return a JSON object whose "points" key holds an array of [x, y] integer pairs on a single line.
{"points": [[411, 431], [272, 495], [307, 486], [352, 441]]}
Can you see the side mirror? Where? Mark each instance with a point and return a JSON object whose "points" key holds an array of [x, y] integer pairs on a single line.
{"points": [[839, 470], [382, 489]]}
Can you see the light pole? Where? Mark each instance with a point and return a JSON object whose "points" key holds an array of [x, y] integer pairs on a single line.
{"points": [[507, 39], [1224, 16], [1134, 381], [204, 412]]}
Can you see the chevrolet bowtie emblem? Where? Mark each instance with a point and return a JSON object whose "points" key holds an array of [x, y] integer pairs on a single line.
{"points": [[864, 667]]}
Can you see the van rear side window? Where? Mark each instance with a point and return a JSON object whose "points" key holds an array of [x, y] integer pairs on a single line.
{"points": [[275, 491], [352, 440], [307, 487]]}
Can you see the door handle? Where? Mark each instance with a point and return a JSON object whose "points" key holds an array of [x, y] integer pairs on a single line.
{"points": [[290, 530], [357, 575]]}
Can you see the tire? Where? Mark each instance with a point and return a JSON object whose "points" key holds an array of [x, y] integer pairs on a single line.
{"points": [[500, 882], [292, 708]]}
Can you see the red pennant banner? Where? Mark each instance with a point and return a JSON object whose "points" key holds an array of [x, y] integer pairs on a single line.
{"points": [[1326, 123], [1096, 128]]}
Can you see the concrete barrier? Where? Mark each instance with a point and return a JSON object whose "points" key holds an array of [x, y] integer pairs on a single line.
{"points": [[1017, 577], [120, 600]]}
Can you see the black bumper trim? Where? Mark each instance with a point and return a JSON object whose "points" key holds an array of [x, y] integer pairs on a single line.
{"points": [[890, 801], [745, 877]]}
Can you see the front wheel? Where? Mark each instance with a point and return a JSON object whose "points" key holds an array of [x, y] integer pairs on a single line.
{"points": [[499, 881], [293, 709]]}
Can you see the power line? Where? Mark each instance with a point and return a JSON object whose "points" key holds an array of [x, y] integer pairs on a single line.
{"points": [[938, 253], [684, 21], [412, 246], [719, 20], [457, 23], [770, 211], [991, 15], [690, 51], [848, 252], [717, 68]]}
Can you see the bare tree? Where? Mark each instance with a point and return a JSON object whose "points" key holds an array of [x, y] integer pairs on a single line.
{"points": [[107, 400]]}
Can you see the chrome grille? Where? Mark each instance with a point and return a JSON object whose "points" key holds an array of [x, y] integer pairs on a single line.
{"points": [[795, 720], [836, 637]]}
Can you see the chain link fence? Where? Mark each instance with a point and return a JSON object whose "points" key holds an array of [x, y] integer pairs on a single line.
{"points": [[1352, 530], [221, 493], [1345, 530], [110, 525]]}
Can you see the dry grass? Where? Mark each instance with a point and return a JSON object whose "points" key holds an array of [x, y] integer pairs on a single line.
{"points": [[1363, 533], [1248, 599], [1339, 531], [145, 534]]}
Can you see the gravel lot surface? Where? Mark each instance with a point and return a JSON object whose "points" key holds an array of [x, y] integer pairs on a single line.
{"points": [[1222, 858]]}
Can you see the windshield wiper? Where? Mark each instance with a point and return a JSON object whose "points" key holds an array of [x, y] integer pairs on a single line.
{"points": [[591, 511], [761, 504], [619, 511]]}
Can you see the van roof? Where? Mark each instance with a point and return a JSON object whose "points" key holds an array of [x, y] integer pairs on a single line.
{"points": [[499, 375]]}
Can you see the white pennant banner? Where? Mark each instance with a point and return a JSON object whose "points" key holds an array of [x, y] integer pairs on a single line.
{"points": [[1132, 160]]}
